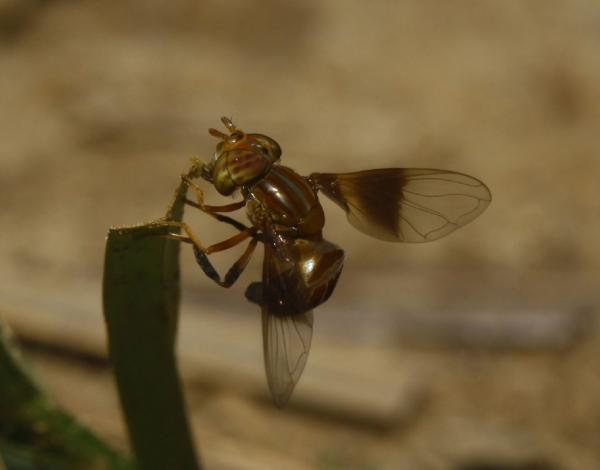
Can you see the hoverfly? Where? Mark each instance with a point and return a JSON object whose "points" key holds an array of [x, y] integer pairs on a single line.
{"points": [[300, 268]]}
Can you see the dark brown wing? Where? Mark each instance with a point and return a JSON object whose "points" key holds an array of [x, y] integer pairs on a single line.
{"points": [[287, 327], [406, 204]]}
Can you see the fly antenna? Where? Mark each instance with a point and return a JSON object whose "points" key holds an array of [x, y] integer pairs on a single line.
{"points": [[228, 124], [234, 136], [218, 134]]}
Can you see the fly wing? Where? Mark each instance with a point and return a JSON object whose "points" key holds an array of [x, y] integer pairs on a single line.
{"points": [[286, 325], [406, 204], [286, 343]]}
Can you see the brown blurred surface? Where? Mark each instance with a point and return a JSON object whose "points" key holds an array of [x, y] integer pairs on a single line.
{"points": [[103, 104]]}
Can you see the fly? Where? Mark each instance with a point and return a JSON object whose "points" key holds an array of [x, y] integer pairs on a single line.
{"points": [[300, 268]]}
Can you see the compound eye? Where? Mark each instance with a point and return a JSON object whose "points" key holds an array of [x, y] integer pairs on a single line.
{"points": [[268, 147], [274, 150]]}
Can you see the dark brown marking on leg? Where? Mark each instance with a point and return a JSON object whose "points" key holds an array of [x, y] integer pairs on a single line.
{"points": [[233, 273], [228, 220]]}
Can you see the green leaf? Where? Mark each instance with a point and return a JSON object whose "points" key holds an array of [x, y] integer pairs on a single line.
{"points": [[35, 432], [141, 301]]}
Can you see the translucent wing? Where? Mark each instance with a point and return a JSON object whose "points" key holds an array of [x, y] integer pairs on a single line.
{"points": [[286, 343], [406, 204], [286, 322]]}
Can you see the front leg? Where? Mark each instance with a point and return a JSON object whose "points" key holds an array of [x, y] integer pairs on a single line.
{"points": [[205, 207], [196, 171]]}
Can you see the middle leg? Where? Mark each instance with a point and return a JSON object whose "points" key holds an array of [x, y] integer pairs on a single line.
{"points": [[233, 273], [201, 252]]}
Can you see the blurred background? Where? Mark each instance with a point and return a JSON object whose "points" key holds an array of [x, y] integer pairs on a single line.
{"points": [[476, 352]]}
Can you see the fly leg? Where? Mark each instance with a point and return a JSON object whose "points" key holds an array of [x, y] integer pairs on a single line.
{"points": [[201, 252], [233, 273], [211, 210]]}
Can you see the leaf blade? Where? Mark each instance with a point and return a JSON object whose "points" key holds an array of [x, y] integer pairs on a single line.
{"points": [[141, 301]]}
